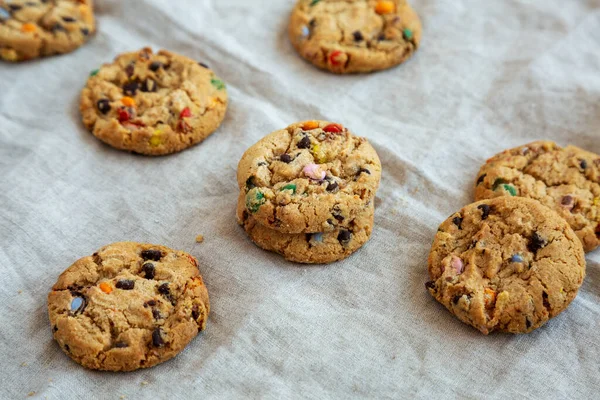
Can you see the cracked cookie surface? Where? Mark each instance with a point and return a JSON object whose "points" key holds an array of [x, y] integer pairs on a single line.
{"points": [[128, 306], [506, 264], [313, 176], [309, 248], [35, 28], [153, 103], [566, 180], [349, 36]]}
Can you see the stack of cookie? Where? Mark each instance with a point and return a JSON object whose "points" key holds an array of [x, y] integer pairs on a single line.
{"points": [[307, 192], [515, 258]]}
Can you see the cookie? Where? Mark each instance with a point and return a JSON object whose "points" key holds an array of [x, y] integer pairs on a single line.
{"points": [[153, 104], [354, 35], [310, 177], [309, 248], [506, 264], [35, 28], [128, 306], [566, 180]]}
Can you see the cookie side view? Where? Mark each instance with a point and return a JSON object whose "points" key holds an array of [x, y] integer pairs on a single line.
{"points": [[507, 264], [153, 103], [354, 36], [313, 176], [566, 180], [36, 28], [128, 306], [305, 248]]}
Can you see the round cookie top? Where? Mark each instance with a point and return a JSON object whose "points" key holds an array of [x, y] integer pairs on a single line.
{"points": [[309, 248], [505, 264], [35, 28], [153, 104], [355, 35], [312, 176], [566, 180], [128, 306]]}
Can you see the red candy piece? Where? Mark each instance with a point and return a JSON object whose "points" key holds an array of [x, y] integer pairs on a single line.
{"points": [[123, 115], [185, 113], [192, 260], [184, 127], [333, 57], [333, 128]]}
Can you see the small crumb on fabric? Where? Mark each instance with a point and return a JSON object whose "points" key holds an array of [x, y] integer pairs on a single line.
{"points": [[199, 239], [144, 383], [23, 364], [20, 291], [31, 394]]}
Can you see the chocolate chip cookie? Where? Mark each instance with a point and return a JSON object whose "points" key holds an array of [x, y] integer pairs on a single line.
{"points": [[153, 104], [505, 264], [355, 35], [309, 248], [128, 306], [565, 179], [36, 28], [313, 176]]}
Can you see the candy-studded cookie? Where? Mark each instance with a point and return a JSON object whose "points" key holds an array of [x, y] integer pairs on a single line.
{"points": [[565, 179], [153, 104], [36, 28], [506, 264], [128, 306], [355, 35], [312, 176], [309, 248]]}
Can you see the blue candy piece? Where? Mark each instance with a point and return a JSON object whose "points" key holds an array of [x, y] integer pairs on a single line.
{"points": [[317, 237], [77, 304], [4, 15], [305, 31], [516, 258]]}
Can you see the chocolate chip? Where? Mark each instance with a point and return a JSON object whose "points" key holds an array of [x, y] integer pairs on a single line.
{"points": [[155, 66], [58, 28], [55, 328], [458, 222], [203, 65], [157, 340], [485, 211], [67, 348], [250, 183], [430, 285], [130, 69], [68, 19], [583, 164], [527, 323], [195, 312], [344, 237], [14, 7], [536, 242], [332, 186], [149, 85], [131, 88], [156, 314], [261, 164], [103, 106], [154, 255], [149, 270], [312, 23], [381, 37], [358, 36], [125, 284], [567, 200], [121, 345], [337, 214], [364, 170], [480, 179], [85, 31], [286, 158], [150, 303], [456, 299], [164, 289], [304, 143]]}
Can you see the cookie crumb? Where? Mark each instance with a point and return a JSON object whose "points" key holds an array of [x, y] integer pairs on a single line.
{"points": [[23, 364], [199, 239], [20, 291], [144, 383], [31, 394]]}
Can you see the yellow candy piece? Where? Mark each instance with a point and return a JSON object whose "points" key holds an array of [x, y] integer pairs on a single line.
{"points": [[597, 201], [318, 154], [28, 27], [310, 125], [156, 140], [105, 287], [128, 101], [385, 7], [8, 54]]}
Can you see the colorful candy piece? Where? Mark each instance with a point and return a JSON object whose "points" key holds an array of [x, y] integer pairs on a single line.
{"points": [[313, 171], [314, 2], [319, 154], [4, 14], [335, 57], [217, 83], [317, 237], [185, 113], [489, 297], [333, 128], [310, 125], [128, 101], [105, 287], [510, 189], [29, 27], [407, 34], [94, 72], [254, 199], [123, 114], [305, 31], [457, 265], [516, 258], [77, 305], [385, 7], [289, 186]]}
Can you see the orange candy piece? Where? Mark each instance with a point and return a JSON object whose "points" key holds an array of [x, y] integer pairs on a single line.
{"points": [[128, 101], [310, 125], [29, 27], [385, 7], [489, 296], [105, 287]]}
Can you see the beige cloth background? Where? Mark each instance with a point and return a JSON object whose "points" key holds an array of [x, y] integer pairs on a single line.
{"points": [[490, 75]]}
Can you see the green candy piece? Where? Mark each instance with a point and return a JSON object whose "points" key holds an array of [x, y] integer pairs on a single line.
{"points": [[313, 2], [510, 189], [497, 183], [217, 83], [290, 186], [94, 72], [254, 199], [407, 33]]}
